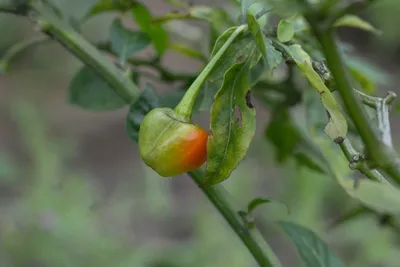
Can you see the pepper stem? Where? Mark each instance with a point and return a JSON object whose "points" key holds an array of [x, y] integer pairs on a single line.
{"points": [[185, 107]]}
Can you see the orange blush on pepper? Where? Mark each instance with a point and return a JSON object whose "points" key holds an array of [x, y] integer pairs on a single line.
{"points": [[170, 145]]}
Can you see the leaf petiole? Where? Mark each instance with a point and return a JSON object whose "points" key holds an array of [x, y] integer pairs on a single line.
{"points": [[185, 106]]}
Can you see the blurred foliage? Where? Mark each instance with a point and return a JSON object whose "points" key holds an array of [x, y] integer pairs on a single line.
{"points": [[54, 215]]}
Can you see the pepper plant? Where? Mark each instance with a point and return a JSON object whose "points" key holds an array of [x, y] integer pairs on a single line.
{"points": [[282, 54]]}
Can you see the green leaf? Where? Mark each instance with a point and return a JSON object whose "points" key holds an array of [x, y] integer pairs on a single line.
{"points": [[111, 5], [312, 250], [260, 201], [233, 125], [356, 22], [290, 142], [125, 42], [285, 31], [218, 18], [243, 46], [188, 51], [283, 135], [156, 32], [90, 91], [274, 57], [337, 125], [147, 101], [351, 215], [366, 74], [257, 34], [379, 196], [257, 202], [304, 159]]}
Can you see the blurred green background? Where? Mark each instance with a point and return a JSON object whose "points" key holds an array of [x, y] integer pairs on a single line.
{"points": [[74, 191]]}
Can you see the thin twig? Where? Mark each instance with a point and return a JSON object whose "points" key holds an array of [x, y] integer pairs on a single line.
{"points": [[9, 55], [154, 63]]}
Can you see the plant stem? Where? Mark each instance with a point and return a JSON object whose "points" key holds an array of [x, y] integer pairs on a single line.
{"points": [[154, 63], [185, 106], [357, 162], [89, 55], [381, 155], [74, 42], [14, 50], [252, 238]]}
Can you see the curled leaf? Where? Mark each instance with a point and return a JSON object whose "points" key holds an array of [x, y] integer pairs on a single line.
{"points": [[233, 125], [336, 128]]}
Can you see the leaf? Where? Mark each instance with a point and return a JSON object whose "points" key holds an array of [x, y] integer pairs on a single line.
{"points": [[233, 125], [147, 101], [111, 5], [312, 250], [187, 51], [156, 32], [285, 31], [337, 125], [260, 201], [304, 159], [90, 91], [218, 18], [379, 196], [356, 22], [366, 74], [274, 57], [125, 42], [257, 34], [290, 142], [283, 135], [257, 202], [240, 49], [351, 215]]}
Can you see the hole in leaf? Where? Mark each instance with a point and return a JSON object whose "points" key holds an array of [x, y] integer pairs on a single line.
{"points": [[248, 100]]}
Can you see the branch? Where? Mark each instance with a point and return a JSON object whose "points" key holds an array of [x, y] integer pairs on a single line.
{"points": [[357, 162], [9, 55], [76, 44], [154, 63], [382, 155], [89, 55], [252, 238]]}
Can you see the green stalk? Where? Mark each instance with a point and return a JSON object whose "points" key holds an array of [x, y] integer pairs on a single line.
{"points": [[382, 156], [252, 238], [90, 56], [85, 51], [16, 49], [185, 106]]}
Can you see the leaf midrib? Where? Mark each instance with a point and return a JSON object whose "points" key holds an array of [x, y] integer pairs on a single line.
{"points": [[230, 120]]}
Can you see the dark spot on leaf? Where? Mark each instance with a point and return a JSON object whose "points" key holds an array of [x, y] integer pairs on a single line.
{"points": [[248, 100], [338, 140], [237, 116], [385, 219], [357, 181], [240, 59]]}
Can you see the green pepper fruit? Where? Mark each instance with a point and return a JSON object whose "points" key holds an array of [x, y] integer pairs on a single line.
{"points": [[169, 144], [168, 141]]}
